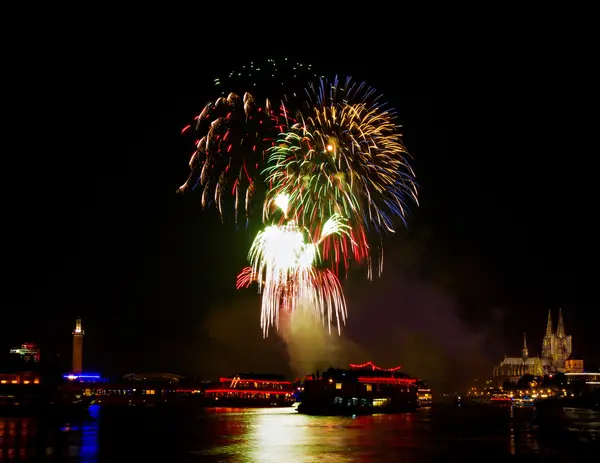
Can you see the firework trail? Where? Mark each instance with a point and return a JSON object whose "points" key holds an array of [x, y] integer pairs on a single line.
{"points": [[344, 156], [231, 135], [326, 169], [228, 156], [283, 264]]}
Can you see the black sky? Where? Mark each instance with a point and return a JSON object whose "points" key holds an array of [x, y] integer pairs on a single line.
{"points": [[504, 153]]}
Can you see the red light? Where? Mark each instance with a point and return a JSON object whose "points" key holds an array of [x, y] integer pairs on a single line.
{"points": [[247, 391], [366, 379], [373, 366], [262, 381]]}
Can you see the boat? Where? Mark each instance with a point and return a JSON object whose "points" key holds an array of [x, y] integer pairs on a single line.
{"points": [[250, 390], [362, 390], [501, 398], [524, 401], [424, 395]]}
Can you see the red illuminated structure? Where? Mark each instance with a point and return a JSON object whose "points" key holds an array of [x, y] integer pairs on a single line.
{"points": [[363, 389], [250, 390], [28, 352], [372, 366], [78, 334]]}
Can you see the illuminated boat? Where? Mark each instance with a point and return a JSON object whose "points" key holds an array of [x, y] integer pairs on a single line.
{"points": [[525, 401], [362, 390], [424, 395], [500, 398], [250, 390]]}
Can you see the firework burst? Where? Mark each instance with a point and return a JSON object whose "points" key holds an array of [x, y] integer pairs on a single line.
{"points": [[327, 170], [346, 159], [232, 133], [283, 264], [227, 158]]}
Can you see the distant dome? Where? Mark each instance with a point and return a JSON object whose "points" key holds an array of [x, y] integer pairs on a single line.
{"points": [[164, 377]]}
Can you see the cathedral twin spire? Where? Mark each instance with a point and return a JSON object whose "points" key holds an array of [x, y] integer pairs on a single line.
{"points": [[549, 324], [560, 328], [525, 351]]}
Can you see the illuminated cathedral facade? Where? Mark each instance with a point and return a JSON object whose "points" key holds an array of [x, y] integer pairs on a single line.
{"points": [[555, 356]]}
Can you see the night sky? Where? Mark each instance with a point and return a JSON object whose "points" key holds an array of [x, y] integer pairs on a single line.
{"points": [[93, 227]]}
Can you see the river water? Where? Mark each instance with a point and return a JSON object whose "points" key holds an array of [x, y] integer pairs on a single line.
{"points": [[440, 433]]}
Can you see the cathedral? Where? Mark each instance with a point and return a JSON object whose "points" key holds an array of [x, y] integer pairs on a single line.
{"points": [[556, 350]]}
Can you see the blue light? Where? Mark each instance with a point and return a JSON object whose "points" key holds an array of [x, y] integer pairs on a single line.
{"points": [[82, 377], [88, 452]]}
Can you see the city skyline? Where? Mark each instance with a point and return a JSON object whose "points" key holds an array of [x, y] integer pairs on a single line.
{"points": [[30, 352], [98, 231]]}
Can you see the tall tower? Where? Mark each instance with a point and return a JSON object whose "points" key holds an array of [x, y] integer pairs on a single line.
{"points": [[548, 337], [560, 328], [524, 351], [78, 347], [562, 345]]}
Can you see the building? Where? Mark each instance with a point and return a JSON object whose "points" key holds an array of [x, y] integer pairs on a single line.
{"points": [[364, 388], [28, 352], [585, 382], [78, 333], [574, 366], [556, 347], [22, 377], [555, 356], [156, 377]]}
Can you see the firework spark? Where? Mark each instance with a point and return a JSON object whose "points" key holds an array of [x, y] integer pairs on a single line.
{"points": [[282, 262], [345, 159], [328, 169], [232, 133], [228, 157]]}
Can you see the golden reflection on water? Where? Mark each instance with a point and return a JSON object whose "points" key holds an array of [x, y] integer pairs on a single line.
{"points": [[16, 436], [283, 435]]}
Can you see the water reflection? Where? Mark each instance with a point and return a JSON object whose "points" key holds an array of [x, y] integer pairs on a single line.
{"points": [[88, 451], [443, 433], [16, 436], [28, 439]]}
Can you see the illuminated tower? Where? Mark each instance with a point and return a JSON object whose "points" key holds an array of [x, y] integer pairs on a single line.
{"points": [[524, 351], [560, 328], [548, 338], [562, 347], [78, 347]]}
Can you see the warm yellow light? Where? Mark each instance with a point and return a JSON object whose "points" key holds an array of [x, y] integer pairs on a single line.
{"points": [[282, 201], [14, 381], [36, 381], [3, 381], [330, 148], [26, 382]]}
